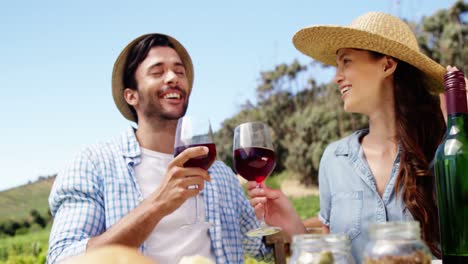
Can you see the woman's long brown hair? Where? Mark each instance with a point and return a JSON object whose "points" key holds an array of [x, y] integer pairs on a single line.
{"points": [[420, 127]]}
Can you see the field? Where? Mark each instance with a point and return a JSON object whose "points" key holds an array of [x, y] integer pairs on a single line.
{"points": [[25, 249]]}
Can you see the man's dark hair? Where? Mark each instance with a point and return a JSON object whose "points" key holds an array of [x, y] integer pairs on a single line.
{"points": [[136, 55]]}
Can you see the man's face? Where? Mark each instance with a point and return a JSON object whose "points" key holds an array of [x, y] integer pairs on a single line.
{"points": [[163, 91]]}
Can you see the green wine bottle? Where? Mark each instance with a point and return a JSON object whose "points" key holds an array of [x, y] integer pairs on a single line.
{"points": [[451, 171]]}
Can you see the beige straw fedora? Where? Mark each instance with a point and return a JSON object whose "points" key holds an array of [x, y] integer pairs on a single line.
{"points": [[373, 31], [119, 67]]}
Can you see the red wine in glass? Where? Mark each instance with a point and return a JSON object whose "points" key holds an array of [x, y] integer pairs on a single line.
{"points": [[203, 162], [254, 163]]}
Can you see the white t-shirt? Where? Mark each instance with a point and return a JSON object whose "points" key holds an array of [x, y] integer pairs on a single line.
{"points": [[169, 241]]}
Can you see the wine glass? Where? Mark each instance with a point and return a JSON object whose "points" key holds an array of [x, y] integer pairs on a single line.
{"points": [[194, 131], [254, 160]]}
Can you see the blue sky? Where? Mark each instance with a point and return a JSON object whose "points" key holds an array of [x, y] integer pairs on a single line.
{"points": [[57, 58]]}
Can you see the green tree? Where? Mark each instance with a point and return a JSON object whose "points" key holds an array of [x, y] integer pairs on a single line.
{"points": [[443, 36], [305, 117]]}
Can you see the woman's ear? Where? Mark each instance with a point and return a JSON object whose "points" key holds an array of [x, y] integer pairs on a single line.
{"points": [[389, 65], [131, 96]]}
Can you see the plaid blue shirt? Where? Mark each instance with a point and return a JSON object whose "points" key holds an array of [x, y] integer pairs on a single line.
{"points": [[99, 188]]}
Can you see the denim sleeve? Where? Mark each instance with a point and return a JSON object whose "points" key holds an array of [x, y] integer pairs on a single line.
{"points": [[324, 188], [77, 205]]}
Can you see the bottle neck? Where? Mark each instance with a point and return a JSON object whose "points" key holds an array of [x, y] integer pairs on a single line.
{"points": [[456, 101], [459, 120]]}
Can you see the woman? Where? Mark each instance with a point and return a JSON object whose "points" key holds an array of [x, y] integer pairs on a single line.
{"points": [[381, 173]]}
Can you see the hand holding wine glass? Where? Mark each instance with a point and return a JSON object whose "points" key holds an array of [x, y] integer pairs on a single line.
{"points": [[275, 208], [254, 160], [174, 191], [193, 132]]}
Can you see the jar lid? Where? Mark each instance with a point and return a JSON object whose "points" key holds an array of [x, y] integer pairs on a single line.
{"points": [[395, 230]]}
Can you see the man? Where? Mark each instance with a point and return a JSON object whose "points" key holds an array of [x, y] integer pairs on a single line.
{"points": [[132, 192]]}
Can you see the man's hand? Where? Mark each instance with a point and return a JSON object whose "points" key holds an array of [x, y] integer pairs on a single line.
{"points": [[135, 227], [180, 183]]}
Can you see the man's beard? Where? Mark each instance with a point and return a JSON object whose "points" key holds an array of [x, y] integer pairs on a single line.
{"points": [[155, 110]]}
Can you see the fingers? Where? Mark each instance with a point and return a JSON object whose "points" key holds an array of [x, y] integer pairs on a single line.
{"points": [[259, 209], [182, 172], [258, 200], [191, 192], [256, 192], [187, 154], [251, 185], [451, 68], [264, 191], [195, 182], [454, 68], [189, 186]]}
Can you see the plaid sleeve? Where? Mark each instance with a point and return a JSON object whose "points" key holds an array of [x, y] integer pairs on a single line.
{"points": [[77, 205], [253, 246]]}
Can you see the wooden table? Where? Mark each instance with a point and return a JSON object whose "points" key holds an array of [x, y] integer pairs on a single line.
{"points": [[281, 244]]}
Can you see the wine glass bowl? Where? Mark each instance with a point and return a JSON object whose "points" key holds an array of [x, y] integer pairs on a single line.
{"points": [[254, 163], [204, 161], [254, 160]]}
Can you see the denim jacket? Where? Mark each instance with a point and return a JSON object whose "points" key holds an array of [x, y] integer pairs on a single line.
{"points": [[349, 200]]}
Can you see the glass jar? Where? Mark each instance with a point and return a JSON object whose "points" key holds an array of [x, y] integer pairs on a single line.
{"points": [[396, 242], [321, 249]]}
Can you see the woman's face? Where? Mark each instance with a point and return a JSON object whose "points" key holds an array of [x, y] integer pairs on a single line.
{"points": [[360, 77]]}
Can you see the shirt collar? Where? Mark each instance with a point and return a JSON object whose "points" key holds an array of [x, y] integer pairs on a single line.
{"points": [[350, 145], [129, 145]]}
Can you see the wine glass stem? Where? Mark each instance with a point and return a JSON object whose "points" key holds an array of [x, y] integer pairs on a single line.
{"points": [[196, 209], [262, 215]]}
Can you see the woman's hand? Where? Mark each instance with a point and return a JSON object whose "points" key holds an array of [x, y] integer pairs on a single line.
{"points": [[276, 207], [443, 105]]}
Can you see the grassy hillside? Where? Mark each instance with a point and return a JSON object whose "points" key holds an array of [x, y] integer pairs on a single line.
{"points": [[16, 203], [24, 249]]}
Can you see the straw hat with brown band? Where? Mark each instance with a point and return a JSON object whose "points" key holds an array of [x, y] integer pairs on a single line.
{"points": [[373, 31], [119, 66]]}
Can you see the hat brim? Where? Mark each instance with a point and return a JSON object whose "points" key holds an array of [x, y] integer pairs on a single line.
{"points": [[322, 42], [118, 86]]}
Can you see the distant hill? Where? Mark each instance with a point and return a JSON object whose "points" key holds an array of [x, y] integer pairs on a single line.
{"points": [[17, 203]]}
